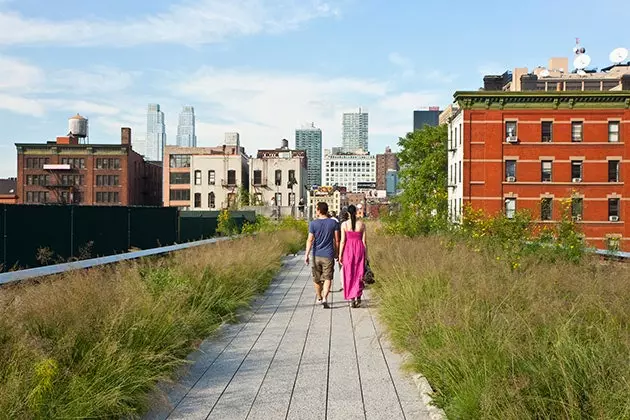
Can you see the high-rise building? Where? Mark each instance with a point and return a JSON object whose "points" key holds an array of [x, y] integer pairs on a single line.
{"points": [[391, 182], [186, 136], [156, 134], [355, 131], [426, 117], [354, 171], [385, 162], [309, 139]]}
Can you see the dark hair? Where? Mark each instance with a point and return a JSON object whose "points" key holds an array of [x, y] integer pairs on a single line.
{"points": [[352, 211], [322, 208]]}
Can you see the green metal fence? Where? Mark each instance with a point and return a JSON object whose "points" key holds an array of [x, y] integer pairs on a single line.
{"points": [[35, 235]]}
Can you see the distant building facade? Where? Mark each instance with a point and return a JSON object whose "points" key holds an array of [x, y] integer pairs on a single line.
{"points": [[186, 134], [349, 169], [355, 131], [278, 177], [155, 140], [385, 162], [8, 194], [429, 117], [67, 172], [205, 178], [391, 182], [325, 194], [309, 139]]}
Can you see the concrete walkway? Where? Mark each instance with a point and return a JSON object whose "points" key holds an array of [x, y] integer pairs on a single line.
{"points": [[291, 359]]}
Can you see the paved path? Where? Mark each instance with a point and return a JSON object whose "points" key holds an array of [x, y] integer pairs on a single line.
{"points": [[292, 359]]}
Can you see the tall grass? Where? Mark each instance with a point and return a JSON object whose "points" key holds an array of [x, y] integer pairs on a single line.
{"points": [[549, 340], [94, 343]]}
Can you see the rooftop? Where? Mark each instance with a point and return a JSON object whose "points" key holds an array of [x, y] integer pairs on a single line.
{"points": [[8, 186]]}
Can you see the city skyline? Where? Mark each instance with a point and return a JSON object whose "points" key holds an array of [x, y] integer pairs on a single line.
{"points": [[248, 85]]}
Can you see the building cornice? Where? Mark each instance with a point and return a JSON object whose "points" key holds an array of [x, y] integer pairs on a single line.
{"points": [[543, 100]]}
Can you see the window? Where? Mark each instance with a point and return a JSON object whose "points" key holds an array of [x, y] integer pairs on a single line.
{"points": [[231, 177], [576, 131], [231, 197], [292, 179], [613, 131], [278, 177], [546, 131], [179, 178], [613, 243], [460, 171], [180, 161], [107, 163], [546, 171], [42, 180], [211, 178], [576, 169], [36, 163], [292, 199], [613, 208], [546, 208], [198, 180], [197, 200], [258, 199], [101, 180], [37, 197], [510, 129], [107, 197], [257, 177], [510, 170], [74, 162], [613, 171], [510, 207], [179, 195], [278, 199], [455, 139], [211, 200], [577, 208]]}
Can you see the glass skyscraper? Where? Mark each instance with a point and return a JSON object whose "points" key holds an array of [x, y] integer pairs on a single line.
{"points": [[355, 131], [310, 140], [186, 128], [156, 133]]}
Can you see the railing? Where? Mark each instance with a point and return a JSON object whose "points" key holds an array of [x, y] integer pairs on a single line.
{"points": [[31, 273]]}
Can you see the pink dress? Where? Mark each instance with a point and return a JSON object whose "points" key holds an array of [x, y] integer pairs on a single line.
{"points": [[353, 265]]}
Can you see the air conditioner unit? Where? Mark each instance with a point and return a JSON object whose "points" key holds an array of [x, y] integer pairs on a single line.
{"points": [[577, 218], [511, 179], [613, 218], [511, 139], [576, 180]]}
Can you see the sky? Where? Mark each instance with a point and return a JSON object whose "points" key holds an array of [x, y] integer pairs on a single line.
{"points": [[265, 67]]}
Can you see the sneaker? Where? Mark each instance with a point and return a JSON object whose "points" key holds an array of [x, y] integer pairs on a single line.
{"points": [[358, 302], [325, 305], [319, 301]]}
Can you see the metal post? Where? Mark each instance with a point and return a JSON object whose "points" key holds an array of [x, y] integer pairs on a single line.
{"points": [[128, 228], [4, 239], [71, 231]]}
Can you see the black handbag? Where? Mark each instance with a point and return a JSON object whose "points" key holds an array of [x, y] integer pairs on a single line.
{"points": [[368, 274]]}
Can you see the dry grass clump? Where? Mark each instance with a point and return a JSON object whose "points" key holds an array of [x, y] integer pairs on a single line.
{"points": [[94, 343], [548, 341]]}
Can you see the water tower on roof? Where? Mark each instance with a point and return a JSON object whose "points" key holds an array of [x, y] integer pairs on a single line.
{"points": [[78, 127]]}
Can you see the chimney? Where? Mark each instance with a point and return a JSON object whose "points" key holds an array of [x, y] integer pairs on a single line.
{"points": [[125, 135]]}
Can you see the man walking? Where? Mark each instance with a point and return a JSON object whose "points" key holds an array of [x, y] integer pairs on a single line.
{"points": [[323, 240]]}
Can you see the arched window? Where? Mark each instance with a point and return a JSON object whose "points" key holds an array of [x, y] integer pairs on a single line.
{"points": [[211, 200]]}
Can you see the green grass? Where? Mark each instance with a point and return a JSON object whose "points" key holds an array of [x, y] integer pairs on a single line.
{"points": [[550, 340], [95, 343]]}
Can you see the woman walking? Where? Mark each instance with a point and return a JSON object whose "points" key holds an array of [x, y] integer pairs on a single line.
{"points": [[352, 254]]}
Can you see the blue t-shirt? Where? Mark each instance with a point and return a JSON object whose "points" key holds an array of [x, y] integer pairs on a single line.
{"points": [[324, 231]]}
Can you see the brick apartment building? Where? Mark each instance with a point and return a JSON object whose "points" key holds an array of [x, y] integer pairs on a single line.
{"points": [[66, 171], [530, 150], [385, 162]]}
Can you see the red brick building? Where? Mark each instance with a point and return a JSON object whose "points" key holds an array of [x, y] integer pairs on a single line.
{"points": [[510, 151], [68, 172], [385, 161]]}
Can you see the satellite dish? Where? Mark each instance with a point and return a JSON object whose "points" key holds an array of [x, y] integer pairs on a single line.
{"points": [[581, 72], [581, 61], [544, 73], [618, 55]]}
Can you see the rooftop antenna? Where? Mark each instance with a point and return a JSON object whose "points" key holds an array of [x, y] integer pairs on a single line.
{"points": [[618, 55], [581, 60]]}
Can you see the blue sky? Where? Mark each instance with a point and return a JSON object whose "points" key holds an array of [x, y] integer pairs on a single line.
{"points": [[265, 67]]}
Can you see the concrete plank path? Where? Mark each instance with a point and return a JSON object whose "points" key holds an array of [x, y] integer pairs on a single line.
{"points": [[291, 359]]}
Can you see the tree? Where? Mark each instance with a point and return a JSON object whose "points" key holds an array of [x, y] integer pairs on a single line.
{"points": [[423, 180]]}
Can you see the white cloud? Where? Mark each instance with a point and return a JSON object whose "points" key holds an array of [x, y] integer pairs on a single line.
{"points": [[403, 63], [97, 80], [188, 23], [17, 75]]}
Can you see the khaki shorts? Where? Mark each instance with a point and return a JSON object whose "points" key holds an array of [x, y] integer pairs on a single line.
{"points": [[323, 269]]}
